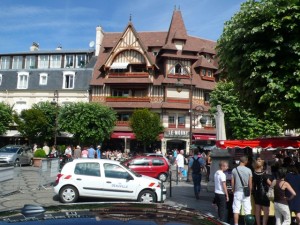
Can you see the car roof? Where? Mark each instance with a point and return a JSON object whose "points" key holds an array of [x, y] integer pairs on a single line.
{"points": [[96, 160], [148, 156]]}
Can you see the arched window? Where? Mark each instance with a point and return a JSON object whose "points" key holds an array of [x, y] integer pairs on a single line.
{"points": [[178, 69]]}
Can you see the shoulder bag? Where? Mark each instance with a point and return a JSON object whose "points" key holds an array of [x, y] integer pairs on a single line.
{"points": [[246, 189], [270, 193]]}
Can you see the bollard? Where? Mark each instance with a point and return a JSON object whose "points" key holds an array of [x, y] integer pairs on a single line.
{"points": [[170, 184], [161, 191]]}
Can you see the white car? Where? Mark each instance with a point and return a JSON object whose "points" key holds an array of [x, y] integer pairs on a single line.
{"points": [[101, 178]]}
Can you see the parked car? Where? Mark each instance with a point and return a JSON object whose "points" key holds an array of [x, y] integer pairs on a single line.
{"points": [[16, 155], [102, 178], [152, 166]]}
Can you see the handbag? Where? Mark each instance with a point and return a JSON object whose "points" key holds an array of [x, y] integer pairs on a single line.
{"points": [[270, 193], [246, 189]]}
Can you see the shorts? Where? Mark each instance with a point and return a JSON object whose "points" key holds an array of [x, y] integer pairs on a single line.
{"points": [[238, 200], [180, 169]]}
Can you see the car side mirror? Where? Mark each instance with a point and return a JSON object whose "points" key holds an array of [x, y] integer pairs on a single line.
{"points": [[129, 177]]}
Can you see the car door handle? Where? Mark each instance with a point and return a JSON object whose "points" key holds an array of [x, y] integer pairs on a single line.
{"points": [[78, 179], [109, 182]]}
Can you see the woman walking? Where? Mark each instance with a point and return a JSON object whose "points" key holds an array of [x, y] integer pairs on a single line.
{"points": [[293, 177], [280, 200], [260, 189]]}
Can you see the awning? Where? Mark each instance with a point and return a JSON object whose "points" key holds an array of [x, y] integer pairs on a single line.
{"points": [[117, 65], [122, 135], [204, 137], [263, 143], [11, 133]]}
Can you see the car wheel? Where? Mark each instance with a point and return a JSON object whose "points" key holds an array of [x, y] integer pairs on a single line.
{"points": [[31, 162], [17, 162], [147, 196], [68, 194], [163, 177]]}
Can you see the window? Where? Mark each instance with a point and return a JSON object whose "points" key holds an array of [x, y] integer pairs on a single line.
{"points": [[157, 162], [140, 162], [81, 60], [115, 171], [69, 61], [203, 71], [171, 120], [209, 73], [20, 106], [181, 120], [0, 79], [55, 61], [87, 169], [17, 62], [5, 60], [44, 61], [206, 97], [123, 117], [178, 69], [23, 80], [120, 93], [69, 80], [30, 62], [43, 78]]}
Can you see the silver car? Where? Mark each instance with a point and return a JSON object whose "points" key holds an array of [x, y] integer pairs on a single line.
{"points": [[16, 155]]}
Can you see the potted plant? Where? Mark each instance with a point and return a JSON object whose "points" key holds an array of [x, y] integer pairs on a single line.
{"points": [[38, 156]]}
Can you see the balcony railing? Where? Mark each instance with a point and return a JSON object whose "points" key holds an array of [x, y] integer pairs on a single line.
{"points": [[208, 78], [133, 74], [181, 126], [122, 123], [127, 99], [172, 125]]}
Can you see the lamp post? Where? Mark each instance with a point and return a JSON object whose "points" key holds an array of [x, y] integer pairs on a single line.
{"points": [[55, 103]]}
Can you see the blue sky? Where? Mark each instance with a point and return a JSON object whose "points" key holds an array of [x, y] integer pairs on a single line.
{"points": [[72, 23]]}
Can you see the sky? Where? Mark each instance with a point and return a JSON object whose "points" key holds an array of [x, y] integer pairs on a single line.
{"points": [[72, 23]]}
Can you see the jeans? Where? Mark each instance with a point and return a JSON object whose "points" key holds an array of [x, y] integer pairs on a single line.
{"points": [[282, 210], [222, 206], [197, 183]]}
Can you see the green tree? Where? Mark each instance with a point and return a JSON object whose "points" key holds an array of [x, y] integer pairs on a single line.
{"points": [[240, 122], [49, 112], [146, 126], [88, 122], [260, 52], [31, 123], [6, 117]]}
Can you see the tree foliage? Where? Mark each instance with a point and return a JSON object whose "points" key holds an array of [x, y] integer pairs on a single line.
{"points": [[89, 122], [31, 124], [146, 126], [240, 122], [260, 52], [6, 117]]}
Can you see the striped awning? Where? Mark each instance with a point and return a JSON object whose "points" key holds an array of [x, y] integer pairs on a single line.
{"points": [[118, 65]]}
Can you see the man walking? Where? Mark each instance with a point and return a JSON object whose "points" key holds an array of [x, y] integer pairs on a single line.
{"points": [[241, 179], [195, 165], [98, 151], [180, 163], [91, 152], [221, 193]]}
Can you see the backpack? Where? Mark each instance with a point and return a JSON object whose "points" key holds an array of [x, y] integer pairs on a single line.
{"points": [[196, 166]]}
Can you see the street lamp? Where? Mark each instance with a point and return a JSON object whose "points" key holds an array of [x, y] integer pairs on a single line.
{"points": [[55, 103], [198, 111]]}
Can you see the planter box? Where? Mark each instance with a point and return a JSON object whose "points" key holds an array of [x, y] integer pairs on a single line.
{"points": [[37, 162]]}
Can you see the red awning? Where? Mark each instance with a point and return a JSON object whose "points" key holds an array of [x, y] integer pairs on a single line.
{"points": [[263, 143], [204, 137], [122, 135]]}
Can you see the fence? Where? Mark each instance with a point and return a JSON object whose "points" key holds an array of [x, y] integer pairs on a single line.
{"points": [[26, 178]]}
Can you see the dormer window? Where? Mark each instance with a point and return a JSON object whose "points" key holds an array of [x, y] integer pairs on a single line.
{"points": [[23, 78], [68, 80], [178, 69], [43, 78], [203, 72], [17, 62], [30, 62], [69, 61], [55, 61]]}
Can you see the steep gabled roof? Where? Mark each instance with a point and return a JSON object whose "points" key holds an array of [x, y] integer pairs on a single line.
{"points": [[177, 28]]}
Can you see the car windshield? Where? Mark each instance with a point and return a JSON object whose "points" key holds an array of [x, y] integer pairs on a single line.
{"points": [[135, 173], [9, 150]]}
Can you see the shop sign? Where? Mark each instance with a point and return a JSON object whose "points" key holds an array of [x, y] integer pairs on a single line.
{"points": [[177, 134]]}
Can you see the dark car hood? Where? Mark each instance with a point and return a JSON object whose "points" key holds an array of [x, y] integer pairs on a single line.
{"points": [[111, 214]]}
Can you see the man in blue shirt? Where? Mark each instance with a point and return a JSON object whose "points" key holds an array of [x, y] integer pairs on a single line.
{"points": [[91, 152], [98, 151], [195, 165]]}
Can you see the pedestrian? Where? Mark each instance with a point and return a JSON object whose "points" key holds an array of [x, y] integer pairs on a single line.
{"points": [[53, 153], [68, 152], [35, 147], [180, 164], [46, 148], [241, 183], [84, 153], [77, 152], [195, 164], [91, 152], [261, 183], [293, 177], [98, 152], [221, 192], [208, 163], [282, 211]]}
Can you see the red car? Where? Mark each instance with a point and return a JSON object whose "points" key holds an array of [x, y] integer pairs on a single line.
{"points": [[152, 166]]}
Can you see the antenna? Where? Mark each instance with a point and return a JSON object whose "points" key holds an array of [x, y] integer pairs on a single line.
{"points": [[92, 44], [130, 17]]}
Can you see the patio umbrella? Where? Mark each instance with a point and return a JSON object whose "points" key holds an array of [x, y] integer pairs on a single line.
{"points": [[220, 124]]}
